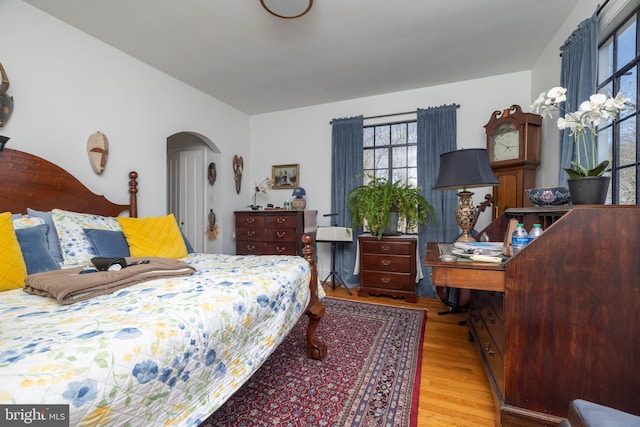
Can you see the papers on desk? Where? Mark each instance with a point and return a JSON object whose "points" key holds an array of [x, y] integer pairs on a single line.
{"points": [[482, 248], [479, 251]]}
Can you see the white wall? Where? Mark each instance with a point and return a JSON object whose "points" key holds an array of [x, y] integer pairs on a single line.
{"points": [[303, 135], [67, 85]]}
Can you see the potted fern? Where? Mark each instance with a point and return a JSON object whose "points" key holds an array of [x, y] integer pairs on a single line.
{"points": [[381, 205]]}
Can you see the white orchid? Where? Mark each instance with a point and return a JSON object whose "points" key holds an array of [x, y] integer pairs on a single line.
{"points": [[583, 124]]}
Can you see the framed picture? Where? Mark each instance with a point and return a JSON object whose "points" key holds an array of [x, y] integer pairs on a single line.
{"points": [[285, 176]]}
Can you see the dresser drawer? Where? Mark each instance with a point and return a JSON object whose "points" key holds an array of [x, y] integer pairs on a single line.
{"points": [[492, 355], [250, 247], [281, 248], [244, 233], [486, 312], [388, 280], [395, 263], [388, 246], [284, 220], [248, 220], [281, 234]]}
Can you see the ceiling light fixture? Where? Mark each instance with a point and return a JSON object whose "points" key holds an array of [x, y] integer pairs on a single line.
{"points": [[287, 9]]}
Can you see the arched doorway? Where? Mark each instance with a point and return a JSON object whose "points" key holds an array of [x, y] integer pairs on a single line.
{"points": [[190, 195]]}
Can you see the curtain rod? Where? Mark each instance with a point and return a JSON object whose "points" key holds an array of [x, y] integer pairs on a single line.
{"points": [[601, 7], [381, 116]]}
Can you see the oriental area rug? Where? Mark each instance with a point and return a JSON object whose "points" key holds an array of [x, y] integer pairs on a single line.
{"points": [[370, 377]]}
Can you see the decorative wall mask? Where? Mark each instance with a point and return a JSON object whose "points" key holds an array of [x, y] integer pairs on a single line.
{"points": [[98, 151], [212, 229], [238, 166], [212, 174], [6, 101]]}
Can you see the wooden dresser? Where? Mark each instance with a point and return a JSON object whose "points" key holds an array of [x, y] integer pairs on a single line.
{"points": [[272, 232], [560, 319], [388, 266]]}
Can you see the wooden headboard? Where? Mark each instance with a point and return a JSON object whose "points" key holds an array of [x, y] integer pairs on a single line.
{"points": [[29, 181]]}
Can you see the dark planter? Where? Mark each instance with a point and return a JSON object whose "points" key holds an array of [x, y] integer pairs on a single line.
{"points": [[590, 190]]}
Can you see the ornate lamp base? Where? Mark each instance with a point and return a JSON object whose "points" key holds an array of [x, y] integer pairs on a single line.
{"points": [[467, 214]]}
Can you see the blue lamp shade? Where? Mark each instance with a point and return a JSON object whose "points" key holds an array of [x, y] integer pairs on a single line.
{"points": [[299, 192]]}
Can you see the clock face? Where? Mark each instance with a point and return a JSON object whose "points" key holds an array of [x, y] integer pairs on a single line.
{"points": [[506, 143]]}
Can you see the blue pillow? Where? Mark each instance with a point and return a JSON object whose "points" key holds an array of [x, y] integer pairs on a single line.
{"points": [[108, 243], [52, 235], [35, 249], [187, 243]]}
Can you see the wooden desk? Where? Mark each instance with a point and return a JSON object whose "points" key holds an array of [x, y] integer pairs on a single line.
{"points": [[562, 319], [468, 275]]}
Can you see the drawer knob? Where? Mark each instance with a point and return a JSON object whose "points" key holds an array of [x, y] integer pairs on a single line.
{"points": [[281, 220], [251, 247], [385, 279], [280, 249], [385, 247], [251, 233], [385, 262], [281, 234], [250, 220]]}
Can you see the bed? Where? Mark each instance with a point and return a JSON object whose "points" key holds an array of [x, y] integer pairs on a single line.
{"points": [[165, 351]]}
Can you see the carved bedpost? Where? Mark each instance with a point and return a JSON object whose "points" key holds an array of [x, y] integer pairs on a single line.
{"points": [[315, 311], [133, 194]]}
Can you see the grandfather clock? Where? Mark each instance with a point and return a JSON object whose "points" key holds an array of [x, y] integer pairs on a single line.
{"points": [[513, 147]]}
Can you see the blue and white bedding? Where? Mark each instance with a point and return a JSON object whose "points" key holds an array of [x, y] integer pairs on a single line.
{"points": [[163, 352]]}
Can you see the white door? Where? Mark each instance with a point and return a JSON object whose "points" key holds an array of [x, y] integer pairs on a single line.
{"points": [[186, 177]]}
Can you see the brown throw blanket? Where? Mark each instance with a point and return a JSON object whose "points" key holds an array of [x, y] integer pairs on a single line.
{"points": [[69, 286]]}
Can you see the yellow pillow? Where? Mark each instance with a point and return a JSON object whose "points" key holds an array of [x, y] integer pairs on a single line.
{"points": [[13, 270], [153, 236]]}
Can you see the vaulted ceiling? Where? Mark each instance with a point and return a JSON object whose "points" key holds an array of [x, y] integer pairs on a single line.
{"points": [[342, 49]]}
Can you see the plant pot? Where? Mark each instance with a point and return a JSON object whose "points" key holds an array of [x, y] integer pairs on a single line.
{"points": [[392, 227], [590, 190]]}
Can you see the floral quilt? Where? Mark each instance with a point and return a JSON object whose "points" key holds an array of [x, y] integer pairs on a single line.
{"points": [[164, 352]]}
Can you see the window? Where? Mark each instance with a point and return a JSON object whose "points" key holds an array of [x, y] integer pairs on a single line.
{"points": [[390, 151], [618, 61]]}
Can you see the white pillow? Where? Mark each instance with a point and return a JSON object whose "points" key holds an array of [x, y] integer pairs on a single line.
{"points": [[75, 245], [26, 222]]}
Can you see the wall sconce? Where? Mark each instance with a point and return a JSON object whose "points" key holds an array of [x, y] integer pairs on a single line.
{"points": [[466, 169]]}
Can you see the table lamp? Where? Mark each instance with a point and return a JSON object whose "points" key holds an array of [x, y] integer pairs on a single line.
{"points": [[466, 169]]}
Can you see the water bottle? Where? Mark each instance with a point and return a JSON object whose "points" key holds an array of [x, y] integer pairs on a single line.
{"points": [[519, 239], [536, 231]]}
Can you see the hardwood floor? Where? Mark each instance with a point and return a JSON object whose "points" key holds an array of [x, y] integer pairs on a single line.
{"points": [[454, 389]]}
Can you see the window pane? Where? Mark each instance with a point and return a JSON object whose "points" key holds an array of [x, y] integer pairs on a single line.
{"points": [[626, 43], [367, 135], [412, 156], [412, 133], [367, 157], [382, 135], [628, 186], [399, 134], [605, 61], [399, 175], [628, 85], [382, 158], [412, 177], [628, 144], [400, 157]]}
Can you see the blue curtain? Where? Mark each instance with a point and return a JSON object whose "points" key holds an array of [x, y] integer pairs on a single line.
{"points": [[579, 76], [346, 174], [436, 129]]}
